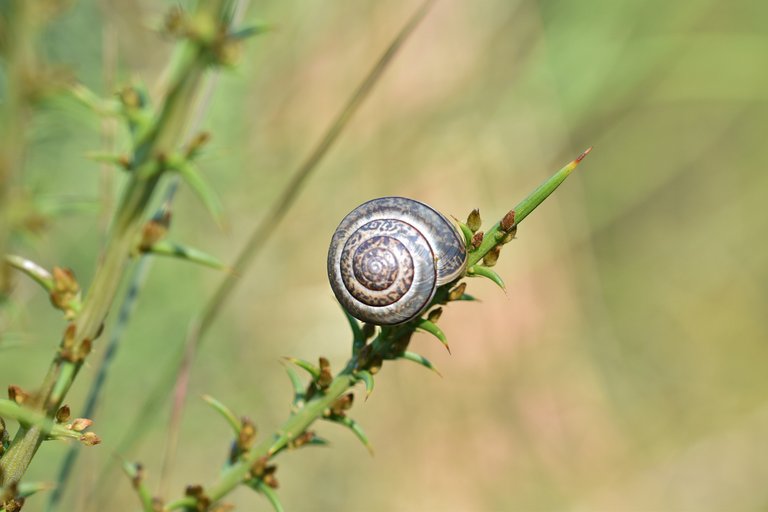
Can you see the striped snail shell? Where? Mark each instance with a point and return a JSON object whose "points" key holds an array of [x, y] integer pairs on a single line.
{"points": [[389, 255]]}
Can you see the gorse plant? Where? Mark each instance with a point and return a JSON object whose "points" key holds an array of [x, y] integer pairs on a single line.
{"points": [[161, 145]]}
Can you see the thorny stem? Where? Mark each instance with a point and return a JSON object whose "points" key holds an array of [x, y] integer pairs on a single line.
{"points": [[268, 225], [164, 137], [388, 344]]}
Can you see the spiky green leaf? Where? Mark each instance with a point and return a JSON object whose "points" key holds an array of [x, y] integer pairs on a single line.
{"points": [[172, 249], [313, 370], [433, 329], [40, 275], [479, 270], [194, 179], [298, 386], [467, 233], [99, 105], [421, 360], [317, 441], [367, 378], [133, 471], [268, 493], [358, 340], [27, 489], [355, 428], [225, 413], [254, 30]]}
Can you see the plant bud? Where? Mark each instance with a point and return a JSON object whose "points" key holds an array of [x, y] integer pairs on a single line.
{"points": [[490, 259], [326, 377], [477, 239], [13, 505], [508, 236], [306, 437], [16, 394], [474, 221], [435, 315], [152, 232], [247, 434], [90, 439], [62, 415], [65, 288], [508, 221], [457, 292], [342, 404], [80, 424]]}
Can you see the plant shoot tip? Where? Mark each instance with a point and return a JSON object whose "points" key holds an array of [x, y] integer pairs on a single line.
{"points": [[584, 154]]}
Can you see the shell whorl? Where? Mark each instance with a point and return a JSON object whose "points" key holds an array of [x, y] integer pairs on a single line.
{"points": [[389, 255]]}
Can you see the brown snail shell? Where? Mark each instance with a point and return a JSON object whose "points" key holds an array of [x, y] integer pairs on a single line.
{"points": [[389, 255]]}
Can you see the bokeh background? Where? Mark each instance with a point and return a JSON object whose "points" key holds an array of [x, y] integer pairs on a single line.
{"points": [[623, 370]]}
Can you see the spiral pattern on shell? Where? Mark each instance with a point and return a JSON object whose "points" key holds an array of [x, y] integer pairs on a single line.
{"points": [[389, 255]]}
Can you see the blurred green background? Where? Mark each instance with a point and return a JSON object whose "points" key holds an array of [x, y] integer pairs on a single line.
{"points": [[625, 367]]}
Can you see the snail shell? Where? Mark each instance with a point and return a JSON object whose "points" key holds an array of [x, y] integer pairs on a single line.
{"points": [[389, 255]]}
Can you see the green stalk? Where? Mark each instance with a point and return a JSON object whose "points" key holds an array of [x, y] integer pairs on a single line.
{"points": [[390, 342], [291, 429], [523, 208], [163, 138], [35, 419]]}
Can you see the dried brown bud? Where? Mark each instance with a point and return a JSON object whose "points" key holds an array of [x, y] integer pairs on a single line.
{"points": [[90, 439], [152, 232], [247, 434], [258, 467], [13, 505], [508, 221], [326, 377], [138, 475], [477, 239], [435, 314], [492, 257], [85, 348], [457, 292], [306, 437], [16, 394], [193, 491], [474, 221], [80, 424], [65, 288], [343, 403], [270, 480], [62, 415], [507, 237]]}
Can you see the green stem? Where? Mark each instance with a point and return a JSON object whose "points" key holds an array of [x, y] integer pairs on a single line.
{"points": [[524, 208], [164, 137], [31, 419], [390, 343], [290, 430]]}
